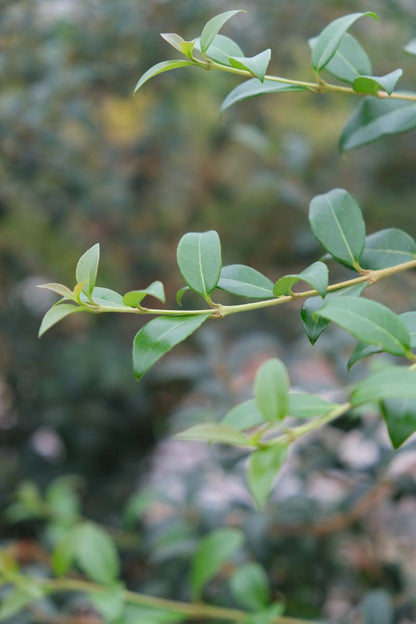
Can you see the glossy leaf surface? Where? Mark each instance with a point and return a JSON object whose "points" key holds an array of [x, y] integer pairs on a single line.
{"points": [[244, 281], [349, 61], [256, 65], [160, 68], [212, 28], [392, 382], [199, 260], [373, 84], [387, 248], [315, 275], [87, 268], [56, 314], [262, 472], [271, 390], [400, 418], [254, 87], [135, 297]]}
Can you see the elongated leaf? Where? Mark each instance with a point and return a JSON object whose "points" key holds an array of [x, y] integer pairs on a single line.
{"points": [[262, 471], [387, 248], [410, 47], [349, 61], [253, 88], [135, 297], [173, 39], [315, 275], [256, 65], [221, 49], [337, 222], [373, 84], [369, 321], [307, 405], [87, 268], [374, 118], [214, 432], [250, 586], [56, 314], [392, 382], [59, 289], [159, 336], [159, 68], [212, 552], [314, 324], [212, 28], [199, 260], [330, 39], [271, 390], [244, 281], [105, 296], [400, 418], [96, 554], [244, 416]]}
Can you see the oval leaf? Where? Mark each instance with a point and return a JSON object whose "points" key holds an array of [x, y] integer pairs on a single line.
{"points": [[199, 260], [107, 297], [135, 297], [253, 88], [338, 224], [262, 471], [87, 268], [374, 118], [244, 281], [256, 65], [212, 552], [349, 61], [330, 39], [244, 416], [250, 586], [96, 554], [387, 248], [306, 405], [315, 275], [214, 432], [400, 418], [159, 336], [212, 28], [369, 321], [56, 314], [59, 289], [159, 68], [271, 390], [392, 382]]}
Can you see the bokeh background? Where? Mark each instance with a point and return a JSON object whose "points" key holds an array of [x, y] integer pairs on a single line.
{"points": [[82, 161]]}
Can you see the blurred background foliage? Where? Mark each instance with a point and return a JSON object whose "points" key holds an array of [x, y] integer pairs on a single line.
{"points": [[83, 161]]}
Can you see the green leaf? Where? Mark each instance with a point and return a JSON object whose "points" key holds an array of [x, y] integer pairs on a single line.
{"points": [[214, 432], [253, 88], [64, 552], [18, 599], [392, 382], [271, 615], [387, 248], [109, 603], [244, 416], [159, 336], [212, 28], [173, 40], [374, 118], [133, 614], [212, 552], [373, 84], [199, 260], [87, 268], [306, 405], [330, 39], [221, 49], [409, 319], [60, 289], [136, 506], [105, 296], [256, 65], [96, 554], [244, 281], [400, 418], [337, 222], [56, 314], [180, 294], [314, 324], [134, 297], [250, 586], [315, 275], [410, 47], [271, 390], [262, 471], [349, 61], [369, 321], [159, 68]]}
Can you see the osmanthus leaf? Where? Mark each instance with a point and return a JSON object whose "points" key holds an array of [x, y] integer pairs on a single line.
{"points": [[177, 42], [387, 248], [316, 275], [96, 554], [214, 432], [56, 314], [329, 40], [162, 67], [256, 65], [211, 554], [244, 416], [392, 382], [212, 28], [59, 289], [105, 296], [199, 260], [221, 49], [87, 268], [373, 84], [409, 319], [159, 336], [337, 222], [369, 321], [244, 281], [374, 118], [307, 405], [314, 324], [63, 555], [262, 471], [410, 47], [400, 418], [134, 297], [180, 294], [349, 61], [250, 586], [271, 390], [254, 87]]}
